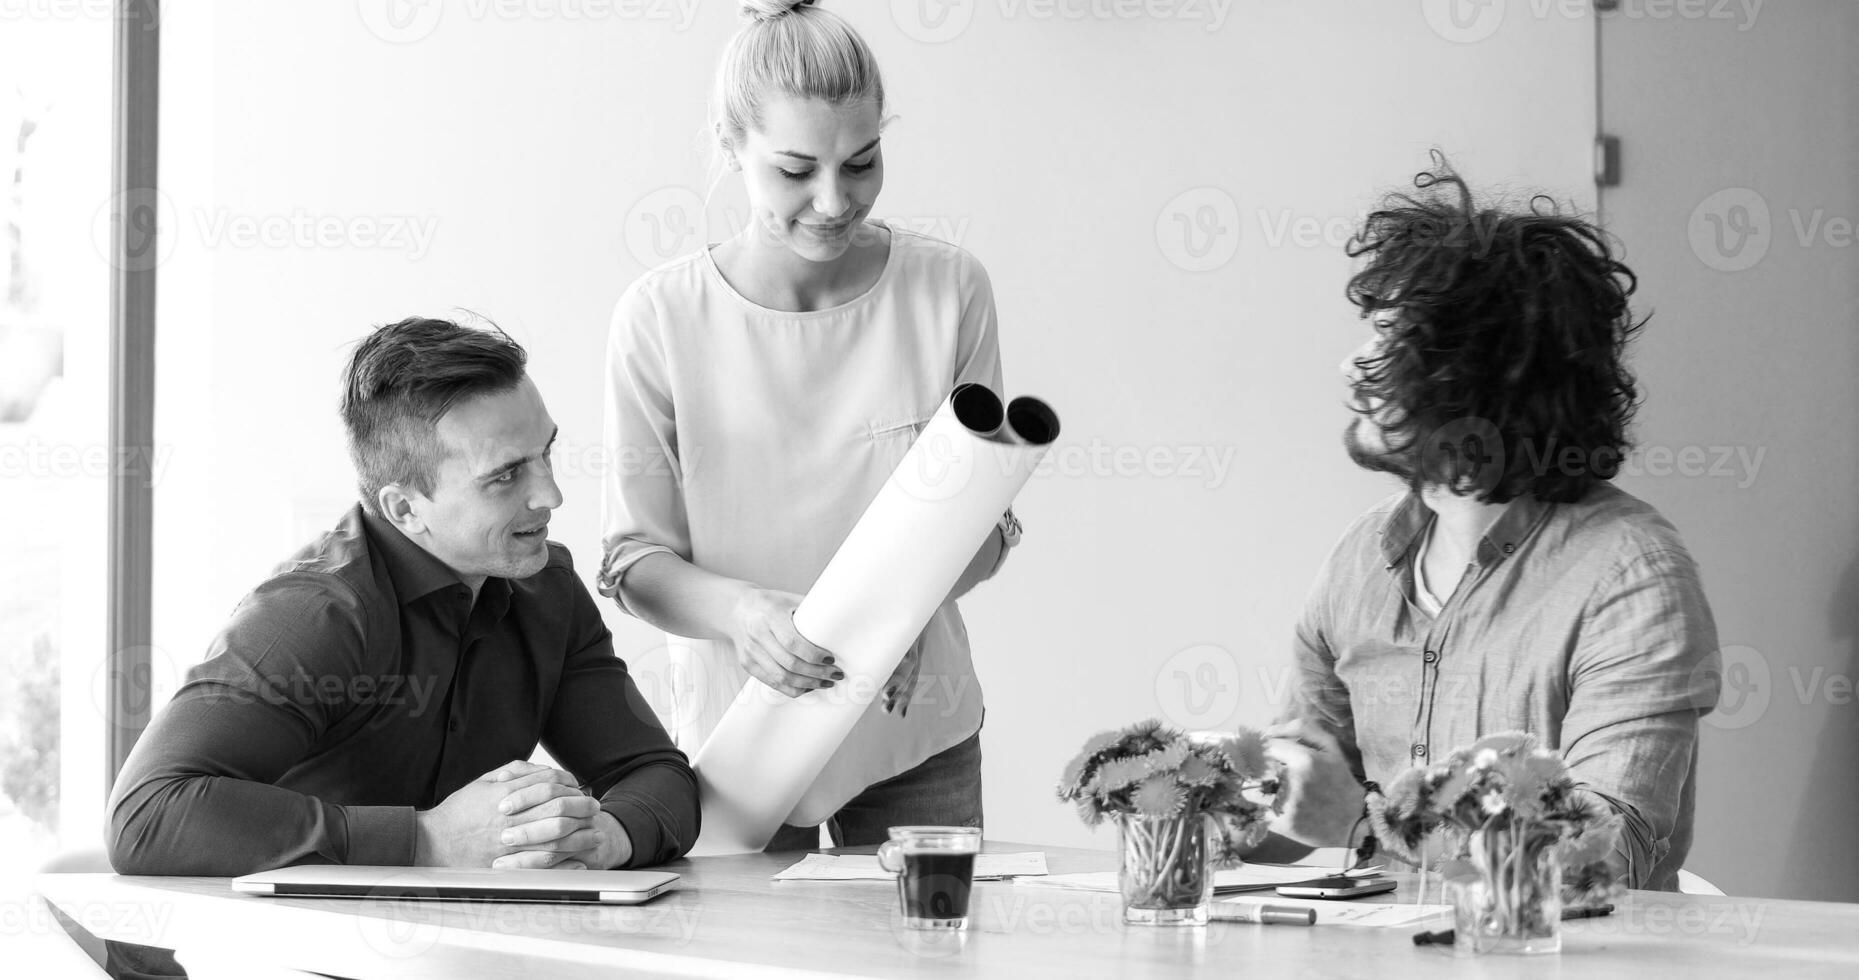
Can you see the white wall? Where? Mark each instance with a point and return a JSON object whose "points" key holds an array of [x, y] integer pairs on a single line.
{"points": [[1754, 348], [1058, 150]]}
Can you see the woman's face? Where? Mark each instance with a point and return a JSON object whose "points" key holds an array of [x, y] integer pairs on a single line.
{"points": [[812, 171]]}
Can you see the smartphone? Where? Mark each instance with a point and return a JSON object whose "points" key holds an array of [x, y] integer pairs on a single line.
{"points": [[1338, 886]]}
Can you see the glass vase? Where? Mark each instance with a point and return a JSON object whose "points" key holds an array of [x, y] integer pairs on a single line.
{"points": [[1510, 900], [1165, 877]]}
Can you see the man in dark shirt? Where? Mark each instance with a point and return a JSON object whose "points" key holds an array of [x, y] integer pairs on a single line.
{"points": [[371, 702]]}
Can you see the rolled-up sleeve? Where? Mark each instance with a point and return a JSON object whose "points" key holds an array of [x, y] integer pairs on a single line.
{"points": [[642, 496], [604, 732], [1646, 669]]}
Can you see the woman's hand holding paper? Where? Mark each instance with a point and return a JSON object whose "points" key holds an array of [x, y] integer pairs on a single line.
{"points": [[773, 651]]}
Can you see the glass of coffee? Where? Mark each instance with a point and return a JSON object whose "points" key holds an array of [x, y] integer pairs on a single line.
{"points": [[935, 869]]}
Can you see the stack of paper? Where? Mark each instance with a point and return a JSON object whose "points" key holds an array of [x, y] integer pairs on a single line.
{"points": [[865, 867]]}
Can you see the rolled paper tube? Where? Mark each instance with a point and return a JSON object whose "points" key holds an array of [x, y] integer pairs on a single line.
{"points": [[870, 603]]}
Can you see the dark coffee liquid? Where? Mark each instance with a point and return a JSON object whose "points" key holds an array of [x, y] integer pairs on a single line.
{"points": [[934, 885]]}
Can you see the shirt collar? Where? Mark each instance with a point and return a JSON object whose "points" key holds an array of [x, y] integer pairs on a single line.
{"points": [[414, 571], [1401, 531], [416, 574]]}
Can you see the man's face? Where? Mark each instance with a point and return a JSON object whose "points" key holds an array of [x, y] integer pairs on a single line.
{"points": [[488, 513], [1364, 438]]}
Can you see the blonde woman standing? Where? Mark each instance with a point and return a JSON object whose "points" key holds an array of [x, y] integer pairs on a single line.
{"points": [[775, 380]]}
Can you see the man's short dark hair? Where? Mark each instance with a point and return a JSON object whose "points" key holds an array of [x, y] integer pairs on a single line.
{"points": [[1513, 328], [401, 380]]}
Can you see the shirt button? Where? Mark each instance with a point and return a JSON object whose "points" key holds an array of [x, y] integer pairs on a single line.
{"points": [[1432, 655], [1509, 548], [452, 726], [1420, 751]]}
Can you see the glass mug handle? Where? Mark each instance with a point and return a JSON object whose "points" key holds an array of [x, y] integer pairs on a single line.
{"points": [[891, 856]]}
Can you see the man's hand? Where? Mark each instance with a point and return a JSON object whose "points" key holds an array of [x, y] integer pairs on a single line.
{"points": [[555, 825], [1322, 799], [902, 687], [466, 830]]}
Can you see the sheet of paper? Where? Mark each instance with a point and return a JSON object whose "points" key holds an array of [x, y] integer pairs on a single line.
{"points": [[865, 867], [1346, 913], [1250, 874], [888, 577]]}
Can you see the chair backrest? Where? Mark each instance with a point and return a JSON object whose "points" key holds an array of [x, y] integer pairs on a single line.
{"points": [[1691, 884]]}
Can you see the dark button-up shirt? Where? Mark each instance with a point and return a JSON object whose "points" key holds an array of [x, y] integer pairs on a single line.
{"points": [[360, 683], [1583, 623]]}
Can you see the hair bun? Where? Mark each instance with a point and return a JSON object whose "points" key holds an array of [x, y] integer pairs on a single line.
{"points": [[772, 9]]}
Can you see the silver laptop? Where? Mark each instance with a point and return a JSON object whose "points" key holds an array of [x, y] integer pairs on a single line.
{"points": [[458, 884]]}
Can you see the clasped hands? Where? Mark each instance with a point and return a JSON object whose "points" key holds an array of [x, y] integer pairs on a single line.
{"points": [[520, 815]]}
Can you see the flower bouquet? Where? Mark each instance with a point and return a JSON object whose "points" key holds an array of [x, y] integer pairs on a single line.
{"points": [[1526, 839], [1179, 801]]}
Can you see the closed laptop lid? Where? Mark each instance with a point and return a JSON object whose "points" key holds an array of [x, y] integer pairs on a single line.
{"points": [[457, 884]]}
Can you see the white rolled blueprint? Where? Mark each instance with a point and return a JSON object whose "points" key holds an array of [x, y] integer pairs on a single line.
{"points": [[880, 589]]}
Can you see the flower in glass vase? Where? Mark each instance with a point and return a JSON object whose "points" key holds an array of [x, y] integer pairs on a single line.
{"points": [[1183, 803], [1525, 838]]}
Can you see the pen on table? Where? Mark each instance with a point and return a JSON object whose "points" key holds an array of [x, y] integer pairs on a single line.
{"points": [[1270, 915], [1445, 937]]}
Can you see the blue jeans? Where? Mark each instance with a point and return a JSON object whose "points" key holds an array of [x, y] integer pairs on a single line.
{"points": [[945, 790]]}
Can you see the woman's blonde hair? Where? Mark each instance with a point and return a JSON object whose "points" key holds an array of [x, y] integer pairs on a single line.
{"points": [[791, 48]]}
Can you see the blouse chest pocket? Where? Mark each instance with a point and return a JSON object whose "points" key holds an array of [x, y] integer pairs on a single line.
{"points": [[902, 428]]}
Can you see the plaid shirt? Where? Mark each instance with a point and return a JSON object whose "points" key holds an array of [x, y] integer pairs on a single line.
{"points": [[1583, 623]]}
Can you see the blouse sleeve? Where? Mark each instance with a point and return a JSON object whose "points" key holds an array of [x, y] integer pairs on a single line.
{"points": [[642, 490]]}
